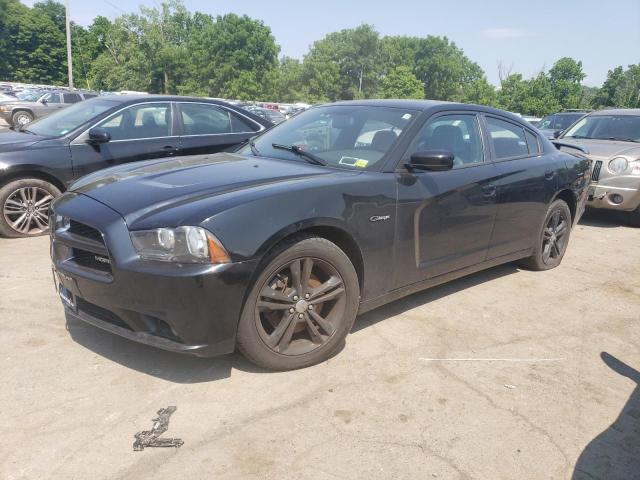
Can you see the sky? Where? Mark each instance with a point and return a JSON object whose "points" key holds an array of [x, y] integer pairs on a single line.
{"points": [[524, 36]]}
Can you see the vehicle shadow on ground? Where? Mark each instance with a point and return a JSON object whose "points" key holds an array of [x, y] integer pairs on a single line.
{"points": [[398, 307], [615, 453], [174, 367], [604, 219]]}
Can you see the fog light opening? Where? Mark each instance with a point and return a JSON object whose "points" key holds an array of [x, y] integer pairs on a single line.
{"points": [[616, 198]]}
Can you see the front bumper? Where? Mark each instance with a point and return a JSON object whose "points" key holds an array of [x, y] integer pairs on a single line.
{"points": [[178, 307], [603, 194]]}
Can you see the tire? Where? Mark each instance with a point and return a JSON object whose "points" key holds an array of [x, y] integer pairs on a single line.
{"points": [[289, 327], [634, 217], [21, 117], [545, 255], [24, 207]]}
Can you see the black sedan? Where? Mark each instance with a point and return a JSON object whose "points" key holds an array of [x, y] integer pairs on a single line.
{"points": [[276, 248], [40, 160]]}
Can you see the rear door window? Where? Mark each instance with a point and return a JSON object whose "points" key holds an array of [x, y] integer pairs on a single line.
{"points": [[508, 139]]}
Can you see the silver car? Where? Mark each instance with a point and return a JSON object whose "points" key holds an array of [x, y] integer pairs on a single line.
{"points": [[18, 112], [612, 138]]}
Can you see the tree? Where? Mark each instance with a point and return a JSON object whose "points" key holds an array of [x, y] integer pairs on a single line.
{"points": [[343, 65], [566, 76], [480, 92], [401, 83], [231, 57], [288, 85], [529, 97], [444, 69]]}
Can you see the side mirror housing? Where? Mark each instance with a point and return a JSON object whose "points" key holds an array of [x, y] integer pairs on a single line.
{"points": [[434, 160], [99, 135], [557, 133], [43, 101]]}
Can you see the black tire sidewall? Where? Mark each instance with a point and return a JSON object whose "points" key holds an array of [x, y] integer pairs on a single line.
{"points": [[8, 188], [537, 259], [248, 338], [14, 116]]}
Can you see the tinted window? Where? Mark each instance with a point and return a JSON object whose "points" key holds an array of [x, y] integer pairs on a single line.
{"points": [[607, 127], [200, 119], [140, 121], [532, 142], [239, 124], [458, 134], [508, 139], [90, 95], [72, 98]]}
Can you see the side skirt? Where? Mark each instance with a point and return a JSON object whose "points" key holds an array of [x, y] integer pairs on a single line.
{"points": [[373, 303]]}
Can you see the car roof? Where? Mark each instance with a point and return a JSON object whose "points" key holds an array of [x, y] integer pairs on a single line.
{"points": [[425, 105], [618, 111]]}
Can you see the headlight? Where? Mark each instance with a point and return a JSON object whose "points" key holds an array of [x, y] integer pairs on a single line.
{"points": [[61, 223], [181, 245], [618, 165]]}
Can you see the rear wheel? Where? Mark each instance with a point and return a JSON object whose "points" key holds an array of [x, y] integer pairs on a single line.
{"points": [[301, 306], [21, 117], [552, 240], [25, 207]]}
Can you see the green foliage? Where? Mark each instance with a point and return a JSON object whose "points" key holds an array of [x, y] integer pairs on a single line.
{"points": [[401, 83], [620, 89], [168, 49], [565, 78]]}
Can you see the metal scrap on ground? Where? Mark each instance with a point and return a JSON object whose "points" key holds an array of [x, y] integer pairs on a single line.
{"points": [[150, 438]]}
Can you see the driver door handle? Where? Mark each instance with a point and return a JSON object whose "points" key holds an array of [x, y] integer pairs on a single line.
{"points": [[170, 149], [489, 190]]}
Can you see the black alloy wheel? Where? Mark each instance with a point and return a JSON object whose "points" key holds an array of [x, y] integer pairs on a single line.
{"points": [[553, 238], [301, 307]]}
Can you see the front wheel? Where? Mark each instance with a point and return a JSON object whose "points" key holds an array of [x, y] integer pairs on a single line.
{"points": [[552, 240], [25, 207], [301, 307], [21, 118]]}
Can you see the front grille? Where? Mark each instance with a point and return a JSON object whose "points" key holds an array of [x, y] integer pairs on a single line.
{"points": [[101, 313], [595, 175], [83, 246], [91, 260], [82, 230]]}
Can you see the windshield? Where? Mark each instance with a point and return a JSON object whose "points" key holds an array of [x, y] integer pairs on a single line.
{"points": [[28, 96], [607, 127], [351, 137], [558, 122], [70, 118]]}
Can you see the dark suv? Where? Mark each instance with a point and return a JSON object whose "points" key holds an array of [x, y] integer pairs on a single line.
{"points": [[22, 112]]}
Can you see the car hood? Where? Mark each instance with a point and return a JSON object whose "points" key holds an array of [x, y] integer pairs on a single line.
{"points": [[143, 189], [10, 140], [605, 149]]}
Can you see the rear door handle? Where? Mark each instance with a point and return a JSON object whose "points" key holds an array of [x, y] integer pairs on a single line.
{"points": [[170, 149], [489, 190]]}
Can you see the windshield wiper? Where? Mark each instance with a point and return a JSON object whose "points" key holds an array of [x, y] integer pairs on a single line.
{"points": [[616, 139], [309, 157]]}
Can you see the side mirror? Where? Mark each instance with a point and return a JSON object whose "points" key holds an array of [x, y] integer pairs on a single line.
{"points": [[434, 160], [557, 133], [99, 135], [43, 101]]}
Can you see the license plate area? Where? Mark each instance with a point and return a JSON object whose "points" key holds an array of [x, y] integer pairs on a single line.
{"points": [[66, 296]]}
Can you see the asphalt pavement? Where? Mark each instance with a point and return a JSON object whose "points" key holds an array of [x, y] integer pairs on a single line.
{"points": [[504, 374]]}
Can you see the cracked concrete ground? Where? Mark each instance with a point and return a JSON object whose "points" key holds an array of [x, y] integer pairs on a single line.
{"points": [[495, 376]]}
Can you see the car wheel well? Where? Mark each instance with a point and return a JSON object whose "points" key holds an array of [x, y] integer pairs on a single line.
{"points": [[342, 239], [570, 199], [11, 177]]}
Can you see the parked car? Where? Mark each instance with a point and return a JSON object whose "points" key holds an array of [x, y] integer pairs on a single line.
{"points": [[20, 112], [612, 138], [553, 125], [274, 116], [276, 248], [40, 160]]}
